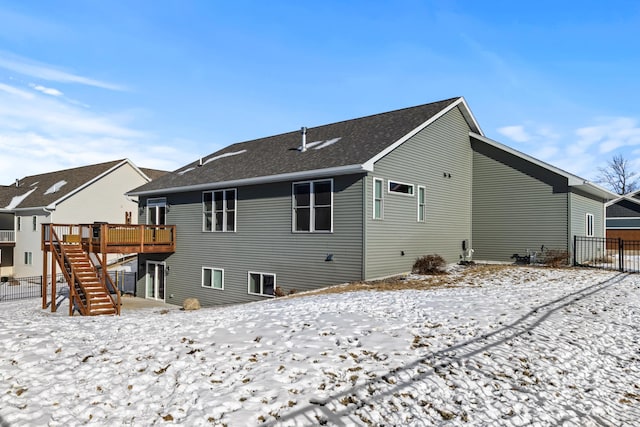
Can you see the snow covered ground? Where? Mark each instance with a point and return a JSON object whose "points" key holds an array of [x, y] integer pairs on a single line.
{"points": [[518, 346]]}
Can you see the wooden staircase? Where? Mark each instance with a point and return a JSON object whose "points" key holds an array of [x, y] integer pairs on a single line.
{"points": [[92, 293]]}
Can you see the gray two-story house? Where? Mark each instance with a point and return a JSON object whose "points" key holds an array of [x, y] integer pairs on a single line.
{"points": [[356, 200]]}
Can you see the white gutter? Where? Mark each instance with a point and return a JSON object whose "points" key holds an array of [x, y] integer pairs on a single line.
{"points": [[338, 170]]}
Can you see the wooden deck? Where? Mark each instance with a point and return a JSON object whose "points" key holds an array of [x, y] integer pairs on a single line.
{"points": [[113, 238]]}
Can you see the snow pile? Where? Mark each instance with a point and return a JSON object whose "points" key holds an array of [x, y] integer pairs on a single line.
{"points": [[516, 346]]}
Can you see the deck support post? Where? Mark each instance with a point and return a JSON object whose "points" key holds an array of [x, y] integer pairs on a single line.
{"points": [[45, 279]]}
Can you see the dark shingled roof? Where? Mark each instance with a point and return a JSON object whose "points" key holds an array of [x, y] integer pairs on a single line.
{"points": [[43, 189], [346, 143]]}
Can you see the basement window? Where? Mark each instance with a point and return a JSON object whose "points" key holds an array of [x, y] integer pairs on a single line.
{"points": [[262, 284], [212, 278], [400, 188]]}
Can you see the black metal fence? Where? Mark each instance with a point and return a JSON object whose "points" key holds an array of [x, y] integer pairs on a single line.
{"points": [[607, 253], [12, 289]]}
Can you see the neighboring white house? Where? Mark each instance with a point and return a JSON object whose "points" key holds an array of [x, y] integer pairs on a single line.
{"points": [[82, 195]]}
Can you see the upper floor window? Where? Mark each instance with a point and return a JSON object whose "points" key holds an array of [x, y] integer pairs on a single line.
{"points": [[313, 206], [400, 188], [589, 225], [421, 203], [19, 223], [34, 223], [157, 211], [378, 201], [219, 210]]}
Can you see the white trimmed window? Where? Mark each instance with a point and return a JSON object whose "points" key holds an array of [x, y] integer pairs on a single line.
{"points": [[34, 223], [589, 225], [19, 223], [212, 278], [421, 203], [219, 210], [28, 258], [378, 198], [262, 284], [397, 187], [313, 206]]}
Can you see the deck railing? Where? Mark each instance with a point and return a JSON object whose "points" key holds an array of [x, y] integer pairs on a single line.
{"points": [[7, 236], [115, 238]]}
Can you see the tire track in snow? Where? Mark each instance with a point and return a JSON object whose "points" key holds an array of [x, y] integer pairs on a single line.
{"points": [[438, 370]]}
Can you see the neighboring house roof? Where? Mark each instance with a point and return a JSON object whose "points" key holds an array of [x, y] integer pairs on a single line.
{"points": [[48, 189], [633, 197], [573, 180], [153, 174], [349, 146]]}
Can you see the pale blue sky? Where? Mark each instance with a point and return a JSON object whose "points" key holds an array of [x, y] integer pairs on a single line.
{"points": [[165, 82]]}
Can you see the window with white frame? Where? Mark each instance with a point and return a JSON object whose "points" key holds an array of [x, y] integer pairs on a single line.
{"points": [[589, 225], [34, 223], [28, 258], [378, 198], [219, 210], [212, 278], [313, 206], [421, 203], [18, 223], [262, 284], [400, 188]]}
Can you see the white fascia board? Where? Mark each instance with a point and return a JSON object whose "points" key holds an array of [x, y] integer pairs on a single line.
{"points": [[572, 180], [628, 197], [622, 218], [293, 176], [466, 112]]}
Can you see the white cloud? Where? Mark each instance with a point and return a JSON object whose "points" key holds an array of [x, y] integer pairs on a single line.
{"points": [[610, 134], [41, 133], [46, 90], [515, 133], [31, 68]]}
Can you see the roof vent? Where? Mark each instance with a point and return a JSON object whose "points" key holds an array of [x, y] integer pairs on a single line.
{"points": [[303, 130], [17, 182], [200, 162]]}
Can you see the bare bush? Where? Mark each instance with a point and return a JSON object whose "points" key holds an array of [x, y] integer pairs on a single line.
{"points": [[556, 258], [430, 264]]}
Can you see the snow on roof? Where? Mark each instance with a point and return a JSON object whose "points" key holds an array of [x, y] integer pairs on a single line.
{"points": [[234, 153], [18, 199], [317, 145], [186, 170], [55, 187]]}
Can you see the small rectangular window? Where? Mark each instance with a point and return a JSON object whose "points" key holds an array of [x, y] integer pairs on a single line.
{"points": [[212, 278], [34, 221], [421, 204], [219, 210], [262, 284], [400, 188], [19, 223], [589, 225], [378, 200], [28, 258]]}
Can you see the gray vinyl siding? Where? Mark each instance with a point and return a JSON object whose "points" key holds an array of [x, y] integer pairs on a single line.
{"points": [[516, 205], [263, 242], [623, 208], [581, 205], [441, 148]]}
